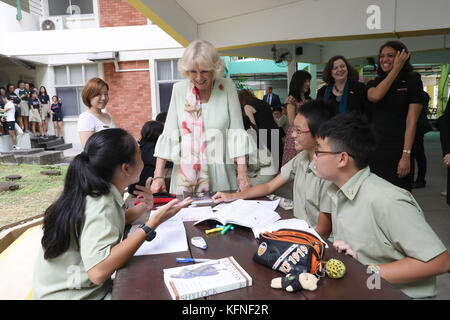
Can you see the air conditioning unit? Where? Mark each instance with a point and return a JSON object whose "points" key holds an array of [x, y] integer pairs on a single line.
{"points": [[104, 56], [52, 23]]}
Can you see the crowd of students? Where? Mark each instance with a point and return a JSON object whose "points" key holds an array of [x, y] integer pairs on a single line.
{"points": [[363, 208], [28, 109]]}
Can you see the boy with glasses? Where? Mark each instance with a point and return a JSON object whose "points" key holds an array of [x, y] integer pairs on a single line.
{"points": [[376, 222], [311, 200]]}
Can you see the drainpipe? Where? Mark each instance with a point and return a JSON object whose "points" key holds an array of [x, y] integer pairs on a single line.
{"points": [[19, 11], [117, 68]]}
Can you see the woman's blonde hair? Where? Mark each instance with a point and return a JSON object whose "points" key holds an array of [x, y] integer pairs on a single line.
{"points": [[203, 54], [91, 89]]}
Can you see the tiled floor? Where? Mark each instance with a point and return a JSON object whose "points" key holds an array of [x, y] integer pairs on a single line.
{"points": [[436, 210]]}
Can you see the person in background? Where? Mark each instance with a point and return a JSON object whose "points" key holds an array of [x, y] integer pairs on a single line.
{"points": [[281, 119], [45, 101], [10, 92], [57, 116], [83, 230], [267, 131], [35, 114], [204, 106], [444, 127], [150, 133], [396, 96], [2, 91], [9, 122], [95, 96], [271, 98], [423, 126], [299, 91], [24, 96], [161, 117], [343, 88]]}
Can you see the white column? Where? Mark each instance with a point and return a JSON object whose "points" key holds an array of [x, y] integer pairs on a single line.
{"points": [[313, 86], [292, 67]]}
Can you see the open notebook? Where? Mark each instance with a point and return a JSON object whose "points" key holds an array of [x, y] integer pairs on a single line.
{"points": [[248, 214]]}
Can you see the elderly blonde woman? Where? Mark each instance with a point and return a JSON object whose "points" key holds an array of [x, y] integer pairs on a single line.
{"points": [[203, 134]]}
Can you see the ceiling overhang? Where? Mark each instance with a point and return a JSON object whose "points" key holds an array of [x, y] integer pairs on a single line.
{"points": [[354, 28]]}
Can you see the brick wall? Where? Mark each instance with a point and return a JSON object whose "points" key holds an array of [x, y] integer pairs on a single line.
{"points": [[129, 95], [119, 13], [129, 92]]}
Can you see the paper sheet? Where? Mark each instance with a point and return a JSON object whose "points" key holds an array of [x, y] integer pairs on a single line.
{"points": [[272, 205], [194, 214], [170, 237]]}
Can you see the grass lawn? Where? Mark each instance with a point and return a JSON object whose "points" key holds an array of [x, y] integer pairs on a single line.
{"points": [[36, 192]]}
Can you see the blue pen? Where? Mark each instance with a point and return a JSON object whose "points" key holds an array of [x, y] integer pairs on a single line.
{"points": [[221, 226], [183, 260]]}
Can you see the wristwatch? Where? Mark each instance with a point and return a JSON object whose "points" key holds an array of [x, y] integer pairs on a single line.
{"points": [[151, 234]]}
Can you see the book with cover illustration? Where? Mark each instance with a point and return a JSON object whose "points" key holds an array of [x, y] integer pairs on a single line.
{"points": [[244, 213], [205, 279], [200, 198]]}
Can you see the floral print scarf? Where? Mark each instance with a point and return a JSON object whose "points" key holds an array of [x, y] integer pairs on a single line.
{"points": [[193, 175]]}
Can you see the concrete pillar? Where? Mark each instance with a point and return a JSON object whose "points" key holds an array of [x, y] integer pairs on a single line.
{"points": [[292, 67], [313, 71]]}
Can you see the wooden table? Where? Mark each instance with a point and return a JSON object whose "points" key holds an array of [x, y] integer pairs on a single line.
{"points": [[142, 276]]}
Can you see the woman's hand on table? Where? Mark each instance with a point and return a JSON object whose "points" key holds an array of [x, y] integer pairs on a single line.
{"points": [[223, 197], [342, 247], [167, 211]]}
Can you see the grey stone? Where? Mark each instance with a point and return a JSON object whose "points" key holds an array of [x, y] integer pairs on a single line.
{"points": [[8, 186]]}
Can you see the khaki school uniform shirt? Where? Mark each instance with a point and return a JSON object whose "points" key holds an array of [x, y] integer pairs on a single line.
{"points": [[310, 192], [65, 277], [383, 223]]}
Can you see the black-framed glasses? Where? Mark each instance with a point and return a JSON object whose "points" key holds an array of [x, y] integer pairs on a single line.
{"points": [[317, 152]]}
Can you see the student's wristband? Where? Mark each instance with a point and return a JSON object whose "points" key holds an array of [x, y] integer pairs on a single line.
{"points": [[159, 177], [407, 151], [373, 268]]}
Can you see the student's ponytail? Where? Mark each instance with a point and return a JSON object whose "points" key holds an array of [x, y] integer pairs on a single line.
{"points": [[89, 173]]}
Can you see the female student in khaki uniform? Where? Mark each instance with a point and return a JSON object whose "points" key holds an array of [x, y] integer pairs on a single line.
{"points": [[82, 243], [373, 220]]}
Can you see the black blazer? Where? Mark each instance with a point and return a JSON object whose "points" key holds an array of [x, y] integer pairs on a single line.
{"points": [[275, 100], [444, 128], [423, 125], [357, 101]]}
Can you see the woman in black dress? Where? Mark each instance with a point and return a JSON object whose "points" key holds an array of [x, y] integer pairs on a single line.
{"points": [[261, 119], [343, 88], [444, 128], [396, 95]]}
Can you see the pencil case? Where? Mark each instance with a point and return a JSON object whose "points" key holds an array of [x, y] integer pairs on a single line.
{"points": [[290, 251]]}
